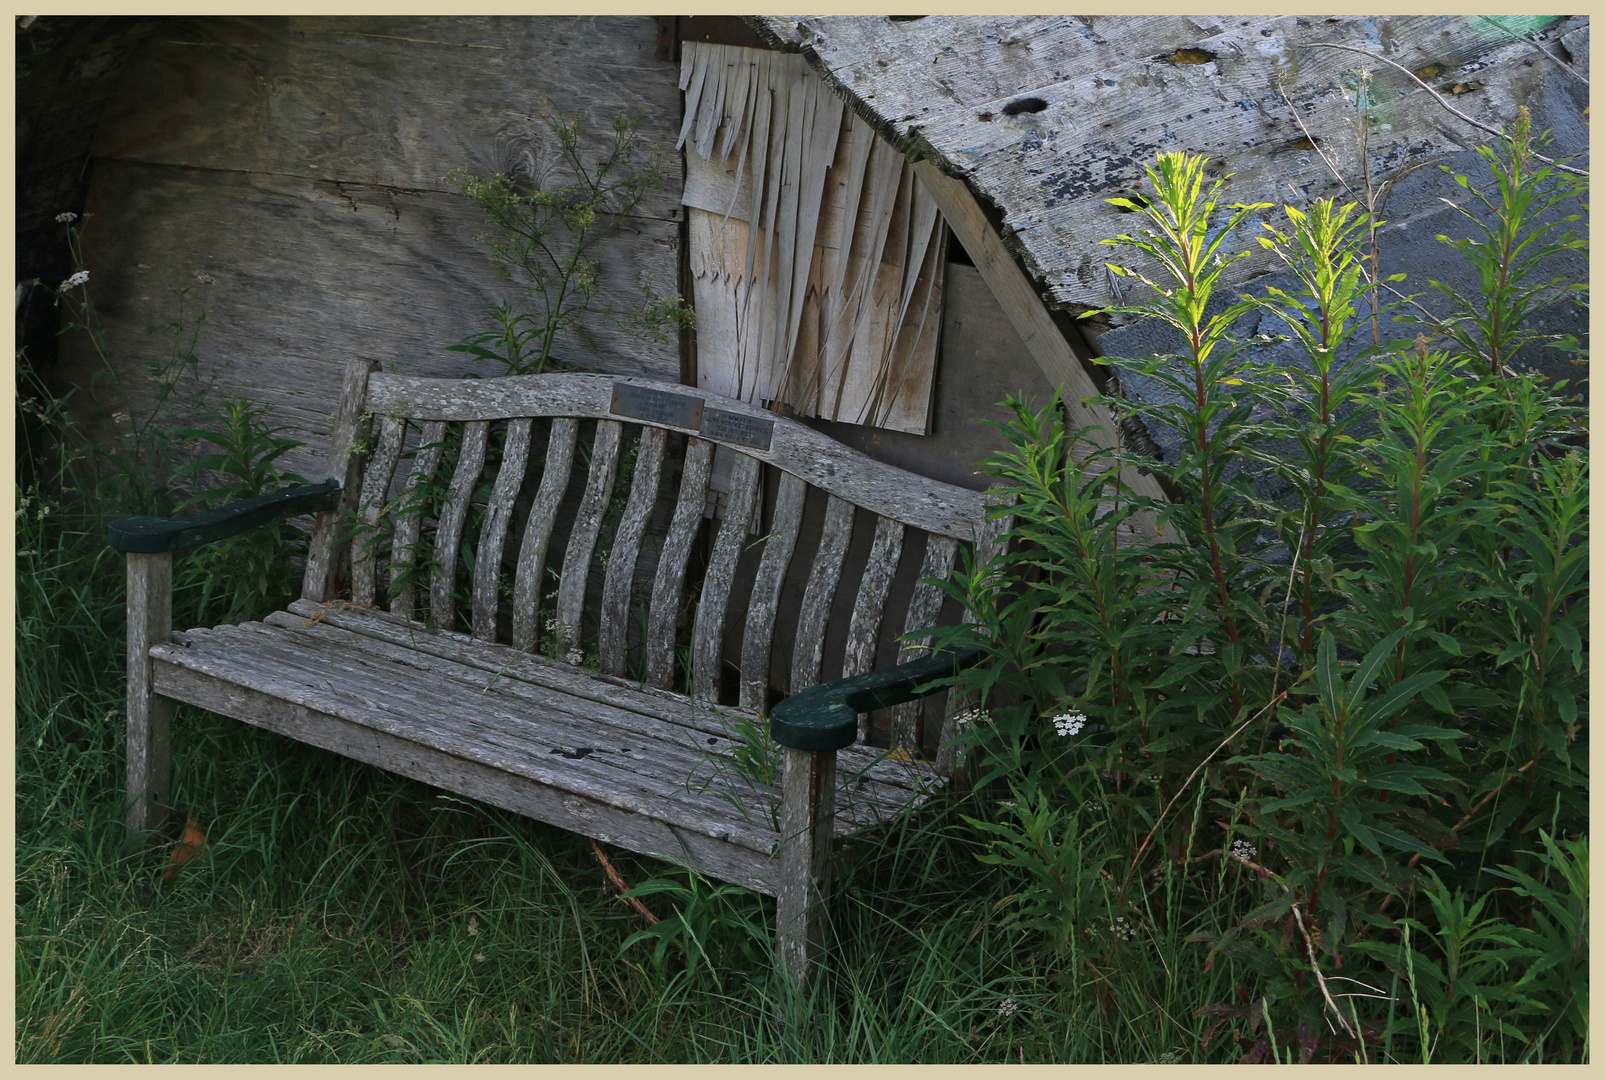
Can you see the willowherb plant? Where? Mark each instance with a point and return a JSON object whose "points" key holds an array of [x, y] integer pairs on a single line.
{"points": [[1374, 682], [547, 236]]}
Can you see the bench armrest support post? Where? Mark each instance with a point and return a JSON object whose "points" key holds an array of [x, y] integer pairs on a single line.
{"points": [[150, 620]]}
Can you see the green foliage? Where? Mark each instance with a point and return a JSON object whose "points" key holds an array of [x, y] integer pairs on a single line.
{"points": [[1369, 688], [546, 235]]}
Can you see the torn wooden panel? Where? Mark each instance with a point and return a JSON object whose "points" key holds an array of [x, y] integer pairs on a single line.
{"points": [[816, 255]]}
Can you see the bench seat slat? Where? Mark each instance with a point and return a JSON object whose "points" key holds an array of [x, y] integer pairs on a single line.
{"points": [[321, 722], [679, 751], [620, 579], [530, 576], [493, 534], [707, 649], [381, 469], [498, 661], [409, 521], [664, 615], [449, 531]]}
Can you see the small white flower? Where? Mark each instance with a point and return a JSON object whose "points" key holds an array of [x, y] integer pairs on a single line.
{"points": [[1243, 851], [479, 958], [1007, 1008], [1123, 929], [205, 278], [119, 418], [80, 278], [575, 657], [972, 715], [67, 217], [473, 925], [1067, 724]]}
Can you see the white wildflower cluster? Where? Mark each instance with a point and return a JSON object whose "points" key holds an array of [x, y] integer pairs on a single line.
{"points": [[66, 217], [1069, 723], [1243, 851], [1123, 929], [1007, 1008], [575, 657], [80, 278], [971, 716]]}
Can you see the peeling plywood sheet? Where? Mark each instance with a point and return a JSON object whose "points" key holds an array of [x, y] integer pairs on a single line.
{"points": [[816, 256]]}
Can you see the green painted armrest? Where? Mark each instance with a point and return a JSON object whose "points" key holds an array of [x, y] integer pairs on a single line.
{"points": [[153, 534], [825, 717]]}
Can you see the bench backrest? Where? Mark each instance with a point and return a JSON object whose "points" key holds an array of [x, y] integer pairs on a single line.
{"points": [[455, 489]]}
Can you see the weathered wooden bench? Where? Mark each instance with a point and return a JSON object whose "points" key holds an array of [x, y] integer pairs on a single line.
{"points": [[418, 645]]}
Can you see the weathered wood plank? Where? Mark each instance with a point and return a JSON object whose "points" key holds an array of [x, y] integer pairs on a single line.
{"points": [[863, 632], [582, 539], [449, 531], [633, 750], [615, 615], [664, 615], [324, 551], [150, 718], [409, 519], [529, 579], [923, 608], [707, 644], [375, 493], [590, 814], [497, 662], [493, 534], [808, 651], [1109, 93], [395, 100], [765, 599], [795, 448], [309, 272]]}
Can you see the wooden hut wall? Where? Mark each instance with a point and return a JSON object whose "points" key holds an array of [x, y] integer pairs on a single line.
{"points": [[287, 175]]}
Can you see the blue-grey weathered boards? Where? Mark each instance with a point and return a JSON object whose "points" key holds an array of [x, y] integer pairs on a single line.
{"points": [[450, 629]]}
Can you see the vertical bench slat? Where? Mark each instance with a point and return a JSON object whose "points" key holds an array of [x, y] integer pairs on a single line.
{"points": [[665, 610], [870, 605], [989, 541], [493, 536], [538, 532], [615, 616], [409, 524], [375, 488], [808, 651], [761, 608], [923, 608], [707, 648], [327, 547], [449, 530], [582, 540]]}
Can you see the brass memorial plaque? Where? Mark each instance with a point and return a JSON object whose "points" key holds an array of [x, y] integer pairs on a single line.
{"points": [[737, 428], [657, 406]]}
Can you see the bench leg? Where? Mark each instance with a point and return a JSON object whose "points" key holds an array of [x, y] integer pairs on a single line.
{"points": [[150, 620], [807, 813]]}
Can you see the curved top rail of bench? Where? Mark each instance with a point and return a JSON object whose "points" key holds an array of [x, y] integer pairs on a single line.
{"points": [[795, 448]]}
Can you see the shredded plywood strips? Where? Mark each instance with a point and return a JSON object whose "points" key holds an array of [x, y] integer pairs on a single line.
{"points": [[816, 255]]}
